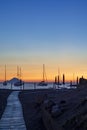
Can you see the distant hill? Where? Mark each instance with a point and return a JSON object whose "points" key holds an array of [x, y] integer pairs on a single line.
{"points": [[14, 80]]}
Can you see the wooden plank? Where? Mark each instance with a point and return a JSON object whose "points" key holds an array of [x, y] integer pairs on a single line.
{"points": [[12, 118]]}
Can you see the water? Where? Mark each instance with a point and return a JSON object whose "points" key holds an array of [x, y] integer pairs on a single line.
{"points": [[30, 86]]}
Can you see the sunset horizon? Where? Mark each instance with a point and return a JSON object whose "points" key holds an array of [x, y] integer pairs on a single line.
{"points": [[35, 74], [43, 64], [33, 33]]}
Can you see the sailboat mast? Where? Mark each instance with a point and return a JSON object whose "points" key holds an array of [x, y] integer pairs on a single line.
{"points": [[17, 71], [5, 82], [43, 83], [20, 72], [5, 72], [43, 72], [58, 76]]}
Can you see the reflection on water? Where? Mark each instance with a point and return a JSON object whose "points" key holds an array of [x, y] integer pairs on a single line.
{"points": [[29, 86]]}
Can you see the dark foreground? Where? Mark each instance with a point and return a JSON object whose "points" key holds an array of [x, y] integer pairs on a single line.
{"points": [[73, 116], [73, 103], [3, 100], [32, 113]]}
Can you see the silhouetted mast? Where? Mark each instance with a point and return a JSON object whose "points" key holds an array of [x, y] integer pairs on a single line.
{"points": [[5, 83], [55, 79], [77, 80], [73, 77], [43, 72], [58, 76], [18, 71], [5, 72], [71, 83], [63, 79], [58, 80]]}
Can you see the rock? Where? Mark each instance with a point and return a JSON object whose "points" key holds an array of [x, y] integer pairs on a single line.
{"points": [[56, 111]]}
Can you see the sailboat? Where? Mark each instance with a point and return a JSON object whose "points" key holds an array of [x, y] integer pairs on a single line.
{"points": [[44, 81], [57, 78], [20, 82], [5, 82]]}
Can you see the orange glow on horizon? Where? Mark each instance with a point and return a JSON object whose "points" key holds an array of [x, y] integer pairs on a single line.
{"points": [[35, 73]]}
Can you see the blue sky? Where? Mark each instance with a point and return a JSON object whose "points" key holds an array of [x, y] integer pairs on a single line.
{"points": [[49, 31]]}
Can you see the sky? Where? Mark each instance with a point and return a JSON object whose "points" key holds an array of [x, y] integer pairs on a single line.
{"points": [[37, 32]]}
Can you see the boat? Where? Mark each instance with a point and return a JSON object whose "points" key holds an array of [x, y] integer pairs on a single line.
{"points": [[5, 82], [44, 81], [72, 84], [57, 78], [20, 82]]}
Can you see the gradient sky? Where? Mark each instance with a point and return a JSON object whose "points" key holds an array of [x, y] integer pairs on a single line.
{"points": [[53, 32]]}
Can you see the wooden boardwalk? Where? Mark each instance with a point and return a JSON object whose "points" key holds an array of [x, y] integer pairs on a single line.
{"points": [[12, 118]]}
